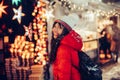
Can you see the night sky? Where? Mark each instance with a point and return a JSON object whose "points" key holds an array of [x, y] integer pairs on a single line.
{"points": [[6, 19]]}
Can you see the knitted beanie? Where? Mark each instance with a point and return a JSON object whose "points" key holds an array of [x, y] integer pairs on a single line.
{"points": [[69, 21]]}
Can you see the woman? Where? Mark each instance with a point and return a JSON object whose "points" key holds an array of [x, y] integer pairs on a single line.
{"points": [[65, 45], [115, 42]]}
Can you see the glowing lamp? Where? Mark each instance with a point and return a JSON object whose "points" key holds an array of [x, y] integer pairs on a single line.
{"points": [[6, 39], [102, 56], [109, 56], [33, 14]]}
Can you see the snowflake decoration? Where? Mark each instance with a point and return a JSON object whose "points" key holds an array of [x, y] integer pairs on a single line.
{"points": [[18, 14], [28, 31], [49, 14], [2, 9]]}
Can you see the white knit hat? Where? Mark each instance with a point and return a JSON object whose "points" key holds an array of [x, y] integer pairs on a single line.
{"points": [[69, 21]]}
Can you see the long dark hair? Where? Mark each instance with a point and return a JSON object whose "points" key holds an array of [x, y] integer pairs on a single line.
{"points": [[55, 43], [54, 46]]}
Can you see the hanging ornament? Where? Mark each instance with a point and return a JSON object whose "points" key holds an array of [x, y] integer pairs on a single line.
{"points": [[28, 31], [49, 14], [18, 14], [2, 9], [15, 2]]}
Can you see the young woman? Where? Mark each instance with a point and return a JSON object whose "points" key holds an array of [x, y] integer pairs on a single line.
{"points": [[65, 45]]}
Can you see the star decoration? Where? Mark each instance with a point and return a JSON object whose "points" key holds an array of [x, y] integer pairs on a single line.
{"points": [[10, 30], [2, 9], [15, 2], [28, 31], [18, 14], [49, 14]]}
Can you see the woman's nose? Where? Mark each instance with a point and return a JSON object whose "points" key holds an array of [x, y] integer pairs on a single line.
{"points": [[55, 29]]}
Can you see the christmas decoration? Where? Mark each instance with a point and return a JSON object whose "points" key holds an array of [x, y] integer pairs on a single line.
{"points": [[49, 14], [36, 46], [2, 9], [28, 31], [34, 50], [6, 39], [18, 14], [15, 2], [40, 32], [10, 30]]}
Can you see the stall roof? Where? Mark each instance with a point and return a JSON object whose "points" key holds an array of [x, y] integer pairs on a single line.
{"points": [[105, 5]]}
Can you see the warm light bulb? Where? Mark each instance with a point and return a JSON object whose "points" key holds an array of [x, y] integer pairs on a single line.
{"points": [[35, 61], [31, 49], [44, 62], [33, 14], [11, 50]]}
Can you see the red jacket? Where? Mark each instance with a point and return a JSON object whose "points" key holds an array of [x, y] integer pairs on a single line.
{"points": [[66, 56]]}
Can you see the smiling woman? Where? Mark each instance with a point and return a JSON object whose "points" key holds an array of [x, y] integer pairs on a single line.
{"points": [[57, 30]]}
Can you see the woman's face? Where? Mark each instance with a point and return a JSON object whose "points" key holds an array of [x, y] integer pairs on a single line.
{"points": [[57, 30]]}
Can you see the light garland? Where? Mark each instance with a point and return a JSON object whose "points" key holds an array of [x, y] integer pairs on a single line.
{"points": [[83, 7], [36, 47], [40, 32]]}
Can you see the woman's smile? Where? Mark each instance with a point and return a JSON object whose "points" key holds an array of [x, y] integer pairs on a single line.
{"points": [[57, 30]]}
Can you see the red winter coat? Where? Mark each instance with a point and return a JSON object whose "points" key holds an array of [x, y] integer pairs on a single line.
{"points": [[66, 56]]}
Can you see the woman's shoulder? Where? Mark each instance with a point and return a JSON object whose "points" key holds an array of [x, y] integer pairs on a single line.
{"points": [[73, 40]]}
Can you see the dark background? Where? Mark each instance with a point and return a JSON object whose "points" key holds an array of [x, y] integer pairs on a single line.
{"points": [[6, 19]]}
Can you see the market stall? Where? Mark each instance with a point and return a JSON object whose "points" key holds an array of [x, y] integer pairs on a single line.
{"points": [[90, 17], [26, 31]]}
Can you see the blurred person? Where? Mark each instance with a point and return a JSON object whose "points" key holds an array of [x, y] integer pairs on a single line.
{"points": [[105, 42], [115, 42]]}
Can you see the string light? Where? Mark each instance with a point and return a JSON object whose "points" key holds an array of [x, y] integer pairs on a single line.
{"points": [[73, 7], [36, 47]]}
